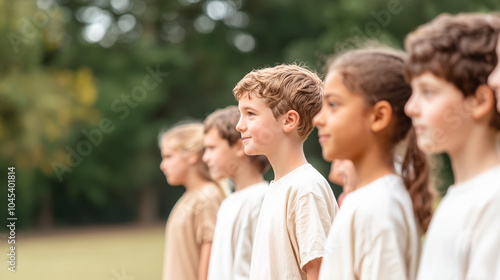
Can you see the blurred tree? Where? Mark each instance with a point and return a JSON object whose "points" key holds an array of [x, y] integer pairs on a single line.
{"points": [[41, 106], [86, 85]]}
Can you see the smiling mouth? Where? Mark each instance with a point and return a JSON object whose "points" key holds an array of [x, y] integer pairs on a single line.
{"points": [[323, 138]]}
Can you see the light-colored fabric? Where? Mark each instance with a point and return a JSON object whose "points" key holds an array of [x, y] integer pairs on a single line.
{"points": [[294, 221], [190, 224], [375, 235], [463, 241], [231, 252]]}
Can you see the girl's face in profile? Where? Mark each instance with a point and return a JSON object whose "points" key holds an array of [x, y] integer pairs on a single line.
{"points": [[342, 122], [174, 164]]}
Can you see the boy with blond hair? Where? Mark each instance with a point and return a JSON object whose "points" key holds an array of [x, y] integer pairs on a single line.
{"points": [[237, 217], [453, 111], [277, 106]]}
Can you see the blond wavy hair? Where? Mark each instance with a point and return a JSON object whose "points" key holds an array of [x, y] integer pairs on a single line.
{"points": [[188, 137]]}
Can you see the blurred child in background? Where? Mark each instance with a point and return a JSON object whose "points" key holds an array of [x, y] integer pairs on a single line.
{"points": [[190, 226], [378, 231], [453, 111], [238, 214], [342, 173]]}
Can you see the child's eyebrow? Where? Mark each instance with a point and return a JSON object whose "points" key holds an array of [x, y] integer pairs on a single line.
{"points": [[332, 94], [246, 108]]}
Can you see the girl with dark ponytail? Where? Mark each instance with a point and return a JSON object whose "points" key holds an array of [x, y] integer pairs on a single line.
{"points": [[378, 232]]}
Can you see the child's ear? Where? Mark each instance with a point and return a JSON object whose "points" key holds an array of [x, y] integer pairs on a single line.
{"points": [[240, 148], [291, 120], [193, 158], [483, 103], [381, 116]]}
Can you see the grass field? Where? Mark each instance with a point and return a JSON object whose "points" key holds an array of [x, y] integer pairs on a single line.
{"points": [[110, 253]]}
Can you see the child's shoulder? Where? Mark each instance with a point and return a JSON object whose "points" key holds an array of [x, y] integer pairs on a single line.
{"points": [[249, 196], [383, 201], [209, 194], [306, 177], [305, 181], [482, 188]]}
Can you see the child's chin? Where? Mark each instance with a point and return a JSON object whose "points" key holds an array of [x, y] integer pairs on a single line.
{"points": [[428, 147], [328, 155], [251, 152]]}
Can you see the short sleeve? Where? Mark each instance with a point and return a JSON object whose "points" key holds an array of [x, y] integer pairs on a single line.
{"points": [[205, 220], [384, 259], [309, 225]]}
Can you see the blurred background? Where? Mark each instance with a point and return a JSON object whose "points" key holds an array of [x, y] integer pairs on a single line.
{"points": [[86, 85]]}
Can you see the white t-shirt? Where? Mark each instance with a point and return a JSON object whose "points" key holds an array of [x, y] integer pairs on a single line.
{"points": [[375, 235], [463, 241], [295, 218], [234, 233]]}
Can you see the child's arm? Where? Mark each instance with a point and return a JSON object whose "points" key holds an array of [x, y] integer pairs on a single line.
{"points": [[312, 269], [204, 258]]}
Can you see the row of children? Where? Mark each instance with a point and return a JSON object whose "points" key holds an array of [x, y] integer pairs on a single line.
{"points": [[438, 97]]}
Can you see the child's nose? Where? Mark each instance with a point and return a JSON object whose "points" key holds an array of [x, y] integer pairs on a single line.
{"points": [[205, 157], [240, 126], [411, 108], [318, 119]]}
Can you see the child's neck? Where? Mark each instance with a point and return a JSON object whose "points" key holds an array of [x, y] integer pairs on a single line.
{"points": [[246, 175], [287, 158], [374, 164], [194, 181], [477, 154]]}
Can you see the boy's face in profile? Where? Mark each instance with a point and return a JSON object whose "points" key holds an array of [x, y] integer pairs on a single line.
{"points": [[494, 79], [258, 126], [219, 156], [440, 114]]}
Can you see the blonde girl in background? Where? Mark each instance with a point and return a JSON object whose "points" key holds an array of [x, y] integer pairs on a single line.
{"points": [[190, 226]]}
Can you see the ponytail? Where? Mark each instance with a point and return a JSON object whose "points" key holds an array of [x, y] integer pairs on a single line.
{"points": [[415, 172], [378, 75]]}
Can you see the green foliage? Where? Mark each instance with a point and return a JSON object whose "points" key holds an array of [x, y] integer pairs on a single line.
{"points": [[70, 69]]}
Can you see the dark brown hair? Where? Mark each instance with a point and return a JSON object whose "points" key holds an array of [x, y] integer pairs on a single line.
{"points": [[283, 88], [459, 49], [377, 74], [225, 121]]}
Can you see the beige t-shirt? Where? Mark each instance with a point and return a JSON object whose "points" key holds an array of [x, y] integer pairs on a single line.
{"points": [[190, 224], [375, 236], [294, 221], [234, 234], [463, 241]]}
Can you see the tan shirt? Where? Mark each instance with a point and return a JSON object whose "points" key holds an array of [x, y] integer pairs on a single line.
{"points": [[294, 221], [375, 236], [190, 224]]}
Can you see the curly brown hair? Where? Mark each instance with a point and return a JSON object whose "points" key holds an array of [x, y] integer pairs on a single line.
{"points": [[283, 88], [458, 48]]}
